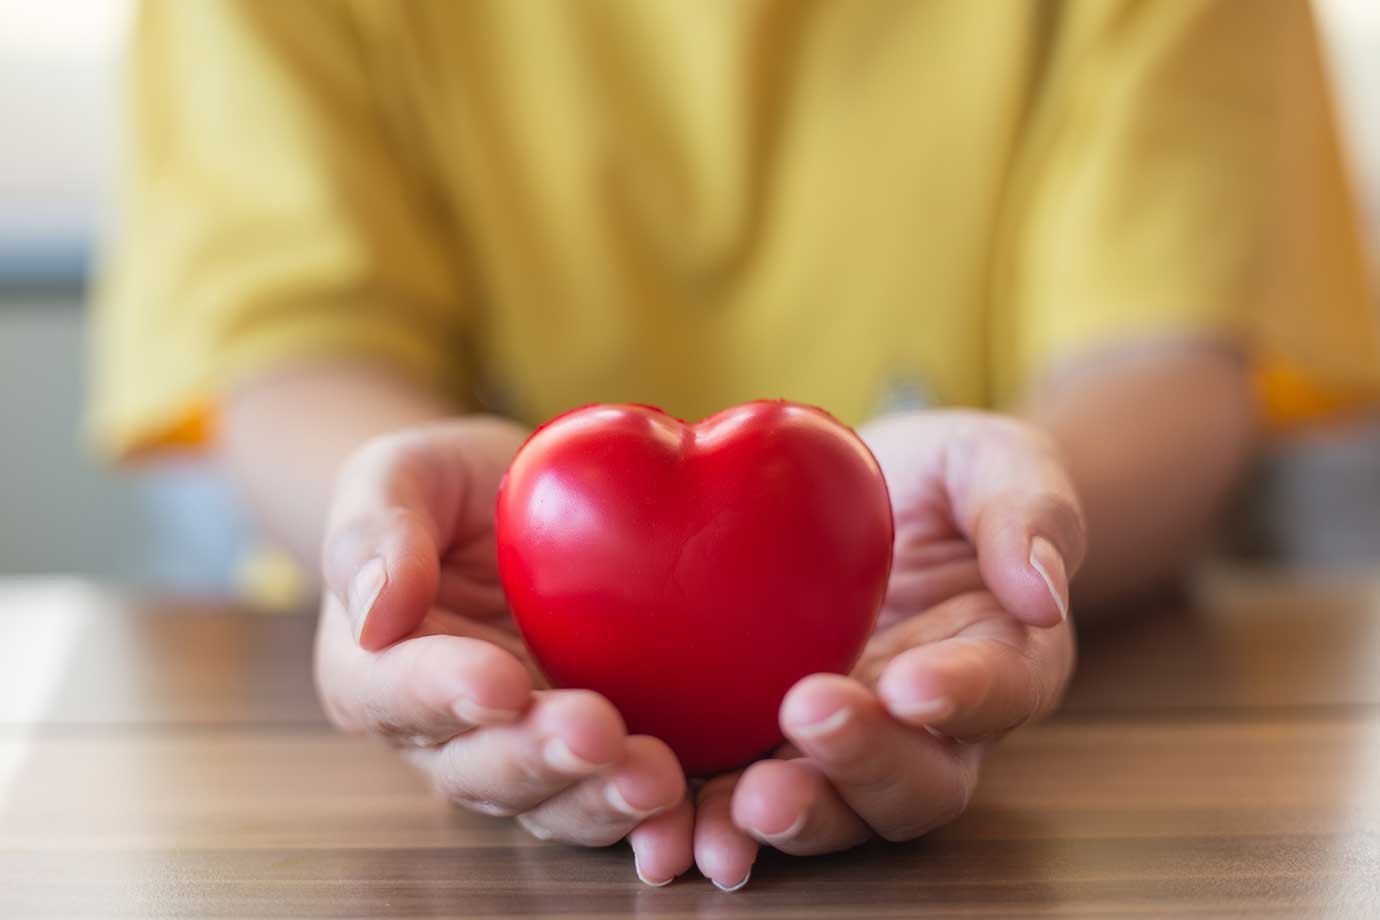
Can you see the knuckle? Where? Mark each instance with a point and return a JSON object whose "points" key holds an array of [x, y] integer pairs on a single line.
{"points": [[1014, 692], [948, 807], [857, 765], [920, 807], [376, 719], [461, 795], [397, 734], [490, 807], [451, 779], [393, 706], [379, 715], [587, 832], [530, 772]]}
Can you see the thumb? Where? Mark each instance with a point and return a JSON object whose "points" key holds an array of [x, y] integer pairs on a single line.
{"points": [[1013, 500], [1028, 552], [381, 553]]}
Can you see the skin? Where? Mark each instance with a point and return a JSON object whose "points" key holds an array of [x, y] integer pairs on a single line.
{"points": [[993, 518]]}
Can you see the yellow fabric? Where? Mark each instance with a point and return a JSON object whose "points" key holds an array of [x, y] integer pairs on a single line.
{"points": [[537, 205]]}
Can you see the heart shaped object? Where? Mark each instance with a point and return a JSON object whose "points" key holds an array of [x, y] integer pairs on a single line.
{"points": [[693, 573]]}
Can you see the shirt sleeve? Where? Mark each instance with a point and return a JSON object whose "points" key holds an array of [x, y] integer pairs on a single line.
{"points": [[270, 211], [1178, 176]]}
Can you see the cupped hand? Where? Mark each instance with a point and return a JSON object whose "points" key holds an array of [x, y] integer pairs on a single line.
{"points": [[415, 645], [973, 641]]}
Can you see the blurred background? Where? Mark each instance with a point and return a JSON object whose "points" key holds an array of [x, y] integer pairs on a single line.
{"points": [[60, 512], [1315, 499]]}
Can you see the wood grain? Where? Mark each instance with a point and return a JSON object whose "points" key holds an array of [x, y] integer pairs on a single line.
{"points": [[1218, 760]]}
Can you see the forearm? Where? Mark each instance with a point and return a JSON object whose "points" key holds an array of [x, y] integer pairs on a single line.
{"points": [[1154, 443], [284, 436]]}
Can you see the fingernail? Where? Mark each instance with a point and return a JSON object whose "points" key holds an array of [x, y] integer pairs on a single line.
{"points": [[364, 591], [615, 798], [796, 827], [722, 887], [825, 726], [561, 758], [637, 864], [1049, 565], [936, 709], [467, 710]]}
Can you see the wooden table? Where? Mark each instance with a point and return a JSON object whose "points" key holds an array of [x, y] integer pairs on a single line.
{"points": [[168, 759]]}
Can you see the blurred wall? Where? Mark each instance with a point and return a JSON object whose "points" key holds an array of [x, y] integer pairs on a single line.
{"points": [[57, 511], [58, 111], [172, 524]]}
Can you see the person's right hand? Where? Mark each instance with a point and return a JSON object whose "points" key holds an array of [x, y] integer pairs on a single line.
{"points": [[415, 645]]}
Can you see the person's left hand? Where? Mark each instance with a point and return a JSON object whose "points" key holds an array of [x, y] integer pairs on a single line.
{"points": [[973, 641]]}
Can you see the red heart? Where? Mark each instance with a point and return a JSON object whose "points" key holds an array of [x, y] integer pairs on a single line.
{"points": [[693, 573]]}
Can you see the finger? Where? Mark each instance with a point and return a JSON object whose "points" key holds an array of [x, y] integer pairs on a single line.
{"points": [[423, 691], [723, 851], [382, 549], [663, 845], [604, 808], [565, 736], [1016, 503], [913, 589], [469, 577], [402, 503], [1002, 485], [992, 677], [900, 780], [1011, 497], [792, 806], [922, 543]]}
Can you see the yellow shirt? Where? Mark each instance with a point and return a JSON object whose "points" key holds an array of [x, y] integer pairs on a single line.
{"points": [[537, 205]]}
